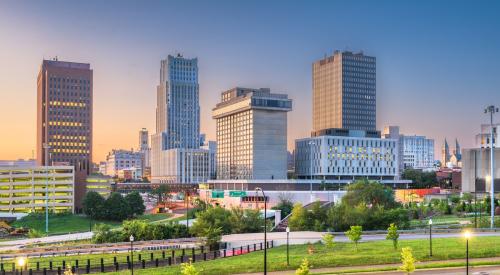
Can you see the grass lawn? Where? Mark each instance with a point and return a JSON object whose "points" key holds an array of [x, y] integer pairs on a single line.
{"points": [[62, 224], [345, 254]]}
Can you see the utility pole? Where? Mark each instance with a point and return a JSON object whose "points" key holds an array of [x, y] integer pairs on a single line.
{"points": [[492, 110]]}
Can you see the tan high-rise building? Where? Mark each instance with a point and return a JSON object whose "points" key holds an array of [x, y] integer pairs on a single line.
{"points": [[344, 92], [64, 118]]}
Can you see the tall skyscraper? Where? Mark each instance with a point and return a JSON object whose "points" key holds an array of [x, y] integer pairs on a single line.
{"points": [[64, 118], [344, 92], [176, 156], [252, 134], [145, 151], [178, 107]]}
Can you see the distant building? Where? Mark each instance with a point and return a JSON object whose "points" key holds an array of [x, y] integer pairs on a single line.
{"points": [[23, 189], [18, 163], [144, 148], [252, 134], [211, 147], [117, 160], [453, 159], [483, 139], [176, 157], [344, 92], [102, 168], [346, 155], [130, 173], [476, 170], [100, 184], [64, 118]]}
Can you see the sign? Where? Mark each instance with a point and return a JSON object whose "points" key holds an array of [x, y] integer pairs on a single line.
{"points": [[217, 194], [237, 193]]}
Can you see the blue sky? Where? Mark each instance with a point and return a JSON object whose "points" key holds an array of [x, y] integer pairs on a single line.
{"points": [[437, 61]]}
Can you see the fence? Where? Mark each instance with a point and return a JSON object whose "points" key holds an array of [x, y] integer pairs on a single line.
{"points": [[140, 261]]}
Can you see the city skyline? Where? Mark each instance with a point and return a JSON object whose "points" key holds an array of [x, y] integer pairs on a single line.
{"points": [[446, 65]]}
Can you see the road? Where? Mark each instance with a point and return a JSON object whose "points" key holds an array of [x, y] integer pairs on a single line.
{"points": [[279, 238]]}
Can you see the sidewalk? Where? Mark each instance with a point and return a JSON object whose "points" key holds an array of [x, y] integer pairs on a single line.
{"points": [[357, 269]]}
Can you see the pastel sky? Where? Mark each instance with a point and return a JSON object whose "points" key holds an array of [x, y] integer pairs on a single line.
{"points": [[438, 62]]}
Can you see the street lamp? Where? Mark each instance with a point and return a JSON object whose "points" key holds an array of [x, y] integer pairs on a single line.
{"points": [[132, 253], [492, 110], [265, 228], [21, 262], [430, 237], [467, 236], [187, 209], [287, 246]]}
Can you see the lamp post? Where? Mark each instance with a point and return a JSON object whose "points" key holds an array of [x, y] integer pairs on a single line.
{"points": [[492, 110], [430, 237], [132, 254], [265, 228], [467, 235], [46, 147], [21, 262], [287, 246], [187, 209], [311, 143]]}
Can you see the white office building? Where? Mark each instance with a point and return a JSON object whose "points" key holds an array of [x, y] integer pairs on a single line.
{"points": [[418, 152], [23, 189], [117, 160], [182, 166], [252, 134], [346, 154]]}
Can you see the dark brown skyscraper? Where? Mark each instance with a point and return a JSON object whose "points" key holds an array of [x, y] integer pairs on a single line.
{"points": [[64, 118]]}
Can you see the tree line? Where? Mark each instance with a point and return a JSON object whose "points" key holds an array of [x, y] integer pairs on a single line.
{"points": [[114, 208]]}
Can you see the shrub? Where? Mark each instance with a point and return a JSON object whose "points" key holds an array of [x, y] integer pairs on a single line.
{"points": [[393, 234], [303, 268], [354, 234], [407, 260], [33, 233], [189, 269], [328, 240], [297, 220]]}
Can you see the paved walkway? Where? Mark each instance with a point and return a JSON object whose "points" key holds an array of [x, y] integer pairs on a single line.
{"points": [[492, 270]]}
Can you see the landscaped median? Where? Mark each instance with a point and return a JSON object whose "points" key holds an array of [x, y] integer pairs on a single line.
{"points": [[346, 255]]}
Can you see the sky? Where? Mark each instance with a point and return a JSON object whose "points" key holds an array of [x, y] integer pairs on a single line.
{"points": [[438, 62]]}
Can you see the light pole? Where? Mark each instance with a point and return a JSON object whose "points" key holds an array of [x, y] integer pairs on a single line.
{"points": [[492, 110], [287, 246], [21, 262], [430, 237], [132, 254], [467, 235], [187, 210], [311, 143], [46, 147], [265, 228]]}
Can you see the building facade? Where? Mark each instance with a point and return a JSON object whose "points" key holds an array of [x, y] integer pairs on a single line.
{"points": [[176, 156], [64, 118], [211, 147], [483, 139], [418, 152], [252, 134], [24, 189], [357, 154], [476, 170], [117, 160], [344, 92], [144, 148]]}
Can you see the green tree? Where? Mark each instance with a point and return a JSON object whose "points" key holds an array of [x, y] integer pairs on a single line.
{"points": [[135, 204], [354, 234], [393, 235], [212, 235], [104, 234], [116, 208], [189, 269], [161, 193], [369, 193], [215, 217], [93, 205], [298, 220], [328, 240], [136, 228], [407, 260], [285, 205], [303, 268]]}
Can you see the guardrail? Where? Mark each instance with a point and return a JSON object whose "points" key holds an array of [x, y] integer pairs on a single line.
{"points": [[435, 229], [144, 260]]}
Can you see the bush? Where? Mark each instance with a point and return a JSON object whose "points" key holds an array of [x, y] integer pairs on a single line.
{"points": [[33, 233], [354, 234], [285, 206], [328, 240], [303, 268], [298, 220], [407, 260], [393, 235]]}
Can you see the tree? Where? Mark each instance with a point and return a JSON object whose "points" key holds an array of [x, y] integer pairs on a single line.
{"points": [[354, 234], [136, 228], [407, 260], [161, 193], [104, 234], [328, 240], [285, 205], [298, 219], [116, 208], [189, 269], [393, 234], [212, 235], [369, 193], [135, 204], [93, 205], [214, 217], [303, 268]]}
